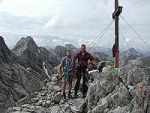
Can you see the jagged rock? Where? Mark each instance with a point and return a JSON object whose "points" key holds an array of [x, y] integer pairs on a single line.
{"points": [[57, 89], [100, 108], [78, 106], [104, 64], [16, 82], [100, 56], [6, 55], [32, 56], [128, 56], [146, 61], [55, 77], [121, 96], [119, 99], [55, 109], [60, 51], [57, 98], [103, 86], [141, 100], [39, 102], [106, 69], [99, 63], [119, 110], [34, 100], [106, 94], [69, 46], [51, 58], [92, 74], [16, 79], [48, 103], [137, 75], [137, 62]]}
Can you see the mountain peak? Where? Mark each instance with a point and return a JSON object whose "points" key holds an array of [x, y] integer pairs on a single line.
{"points": [[23, 44], [133, 51], [70, 46], [29, 38], [2, 43], [5, 53], [129, 55]]}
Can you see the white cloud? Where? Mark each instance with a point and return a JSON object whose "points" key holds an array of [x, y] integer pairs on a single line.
{"points": [[128, 39], [70, 21]]}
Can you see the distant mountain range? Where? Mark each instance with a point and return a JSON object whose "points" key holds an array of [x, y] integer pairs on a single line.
{"points": [[107, 51]]}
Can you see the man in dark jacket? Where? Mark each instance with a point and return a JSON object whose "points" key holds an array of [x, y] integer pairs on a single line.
{"points": [[83, 58]]}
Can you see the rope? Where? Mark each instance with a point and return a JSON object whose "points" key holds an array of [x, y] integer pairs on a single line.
{"points": [[135, 32], [100, 36]]}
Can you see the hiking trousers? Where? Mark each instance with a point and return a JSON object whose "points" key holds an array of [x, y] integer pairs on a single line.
{"points": [[81, 74]]}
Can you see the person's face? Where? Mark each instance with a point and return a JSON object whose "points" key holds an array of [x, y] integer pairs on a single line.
{"points": [[83, 48], [68, 54]]}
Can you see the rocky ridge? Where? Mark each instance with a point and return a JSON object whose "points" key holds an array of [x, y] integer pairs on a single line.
{"points": [[22, 70], [32, 56], [106, 94]]}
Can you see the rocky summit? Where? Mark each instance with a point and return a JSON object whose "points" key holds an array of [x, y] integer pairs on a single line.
{"points": [[127, 93]]}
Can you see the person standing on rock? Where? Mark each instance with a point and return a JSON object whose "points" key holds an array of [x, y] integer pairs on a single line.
{"points": [[65, 72], [83, 57]]}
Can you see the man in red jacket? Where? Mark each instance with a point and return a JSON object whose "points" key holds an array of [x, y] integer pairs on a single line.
{"points": [[83, 57]]}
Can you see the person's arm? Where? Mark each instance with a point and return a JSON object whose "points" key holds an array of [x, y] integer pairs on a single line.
{"points": [[91, 58], [74, 59], [60, 69]]}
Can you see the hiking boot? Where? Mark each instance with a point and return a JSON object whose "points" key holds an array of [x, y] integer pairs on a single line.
{"points": [[75, 95], [83, 95], [64, 95], [69, 95]]}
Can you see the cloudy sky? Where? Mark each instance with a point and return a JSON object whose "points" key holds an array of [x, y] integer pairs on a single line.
{"points": [[57, 22]]}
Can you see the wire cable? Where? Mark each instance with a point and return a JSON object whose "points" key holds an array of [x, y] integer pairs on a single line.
{"points": [[135, 32], [125, 42], [100, 36]]}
